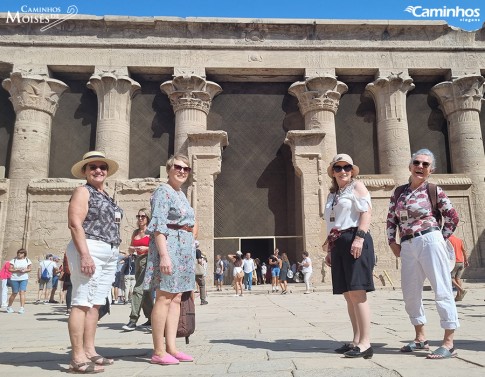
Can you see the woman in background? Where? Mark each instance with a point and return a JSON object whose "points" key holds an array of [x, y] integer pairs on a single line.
{"points": [[285, 266]]}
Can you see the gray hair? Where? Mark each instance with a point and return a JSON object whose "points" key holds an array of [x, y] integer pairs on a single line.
{"points": [[424, 152]]}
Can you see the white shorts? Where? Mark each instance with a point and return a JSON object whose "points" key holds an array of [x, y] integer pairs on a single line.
{"points": [[90, 291], [236, 271]]}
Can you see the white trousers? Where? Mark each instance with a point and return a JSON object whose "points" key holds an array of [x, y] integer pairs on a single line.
{"points": [[427, 257], [306, 278], [4, 292]]}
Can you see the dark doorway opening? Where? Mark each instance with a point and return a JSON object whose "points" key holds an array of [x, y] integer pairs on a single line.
{"points": [[260, 248]]}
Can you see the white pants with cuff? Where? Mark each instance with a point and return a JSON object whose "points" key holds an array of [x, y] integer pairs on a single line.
{"points": [[427, 257]]}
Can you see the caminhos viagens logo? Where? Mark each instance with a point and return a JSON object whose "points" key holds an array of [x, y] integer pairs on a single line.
{"points": [[463, 14], [50, 16]]}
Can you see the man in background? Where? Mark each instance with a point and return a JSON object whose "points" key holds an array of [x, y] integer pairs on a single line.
{"points": [[200, 274], [461, 262], [45, 285]]}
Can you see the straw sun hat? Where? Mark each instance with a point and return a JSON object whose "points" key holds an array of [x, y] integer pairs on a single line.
{"points": [[77, 169], [342, 157]]}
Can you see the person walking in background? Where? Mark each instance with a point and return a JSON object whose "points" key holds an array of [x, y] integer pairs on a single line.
{"points": [[55, 280], [117, 293], [264, 271], [238, 272], [66, 283], [5, 274], [46, 268], [285, 266], [219, 272], [461, 262], [350, 250], [275, 265], [307, 271], [200, 272], [129, 274], [171, 259], [140, 299], [248, 268], [423, 251], [20, 267], [259, 277], [94, 221]]}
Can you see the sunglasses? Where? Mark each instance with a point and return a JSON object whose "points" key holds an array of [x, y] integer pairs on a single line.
{"points": [[101, 167], [424, 163], [182, 169], [141, 217], [346, 168]]}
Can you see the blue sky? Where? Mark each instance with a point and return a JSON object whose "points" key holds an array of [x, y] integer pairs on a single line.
{"points": [[470, 14]]}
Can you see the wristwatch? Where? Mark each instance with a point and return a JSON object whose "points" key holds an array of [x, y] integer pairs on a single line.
{"points": [[360, 233]]}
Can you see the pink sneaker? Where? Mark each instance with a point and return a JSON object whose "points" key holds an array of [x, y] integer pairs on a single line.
{"points": [[183, 357], [165, 360]]}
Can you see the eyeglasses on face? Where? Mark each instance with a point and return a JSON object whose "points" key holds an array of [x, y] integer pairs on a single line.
{"points": [[101, 167], [339, 168], [141, 217], [182, 169], [424, 163]]}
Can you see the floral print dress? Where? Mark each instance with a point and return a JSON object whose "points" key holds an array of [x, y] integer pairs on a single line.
{"points": [[171, 207]]}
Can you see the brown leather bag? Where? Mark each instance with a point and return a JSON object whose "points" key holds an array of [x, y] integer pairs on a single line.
{"points": [[186, 326]]}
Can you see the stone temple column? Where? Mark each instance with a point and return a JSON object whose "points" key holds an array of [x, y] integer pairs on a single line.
{"points": [[389, 95], [205, 153], [115, 92], [318, 100], [306, 147], [460, 100], [191, 97], [35, 99]]}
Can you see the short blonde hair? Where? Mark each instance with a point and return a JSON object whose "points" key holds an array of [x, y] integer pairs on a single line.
{"points": [[180, 157]]}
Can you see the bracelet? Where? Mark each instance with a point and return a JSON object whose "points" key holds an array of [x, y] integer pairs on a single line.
{"points": [[360, 233]]}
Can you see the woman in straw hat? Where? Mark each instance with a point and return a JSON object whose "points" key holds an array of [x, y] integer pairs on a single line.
{"points": [[171, 259], [94, 220], [350, 249]]}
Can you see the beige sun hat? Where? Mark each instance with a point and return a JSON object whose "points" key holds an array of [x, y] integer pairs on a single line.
{"points": [[77, 169], [342, 157]]}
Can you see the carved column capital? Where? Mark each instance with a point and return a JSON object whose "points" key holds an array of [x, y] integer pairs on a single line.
{"points": [[110, 83], [463, 93], [318, 93], [384, 87], [34, 92], [190, 92]]}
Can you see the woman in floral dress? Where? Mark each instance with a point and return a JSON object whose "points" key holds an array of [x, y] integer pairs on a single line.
{"points": [[171, 258]]}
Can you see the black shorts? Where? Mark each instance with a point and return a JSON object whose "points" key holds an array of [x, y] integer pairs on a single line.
{"points": [[118, 283], [348, 273]]}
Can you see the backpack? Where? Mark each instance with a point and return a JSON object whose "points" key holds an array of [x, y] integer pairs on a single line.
{"points": [[433, 197], [225, 263], [44, 276], [186, 326]]}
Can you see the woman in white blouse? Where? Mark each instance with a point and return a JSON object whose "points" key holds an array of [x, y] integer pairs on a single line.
{"points": [[350, 250]]}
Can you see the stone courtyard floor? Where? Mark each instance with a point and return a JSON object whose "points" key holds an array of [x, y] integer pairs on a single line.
{"points": [[260, 334]]}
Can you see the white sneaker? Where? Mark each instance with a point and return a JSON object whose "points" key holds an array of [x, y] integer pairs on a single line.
{"points": [[10, 309], [21, 310]]}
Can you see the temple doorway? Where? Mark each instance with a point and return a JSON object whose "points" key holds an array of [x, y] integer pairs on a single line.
{"points": [[260, 248]]}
